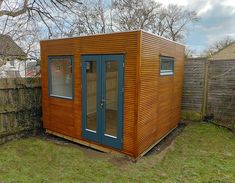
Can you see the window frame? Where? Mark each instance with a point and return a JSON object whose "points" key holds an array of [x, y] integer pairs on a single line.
{"points": [[50, 60], [12, 63], [168, 72]]}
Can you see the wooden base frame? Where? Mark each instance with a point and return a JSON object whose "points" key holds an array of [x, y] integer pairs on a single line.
{"points": [[154, 144], [107, 150], [85, 143]]}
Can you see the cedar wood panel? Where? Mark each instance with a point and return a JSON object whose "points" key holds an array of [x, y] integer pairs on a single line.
{"points": [[159, 96], [151, 102], [65, 116]]}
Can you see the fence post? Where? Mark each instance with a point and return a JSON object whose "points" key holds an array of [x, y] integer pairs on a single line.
{"points": [[205, 88]]}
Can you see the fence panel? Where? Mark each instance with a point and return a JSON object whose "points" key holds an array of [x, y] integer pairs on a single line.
{"points": [[209, 90], [193, 85], [221, 91], [20, 107]]}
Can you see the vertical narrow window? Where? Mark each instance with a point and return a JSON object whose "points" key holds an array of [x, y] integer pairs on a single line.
{"points": [[61, 76], [166, 65]]}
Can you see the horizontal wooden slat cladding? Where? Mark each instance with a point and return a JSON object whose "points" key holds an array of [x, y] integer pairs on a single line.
{"points": [[159, 96], [56, 116], [151, 102]]}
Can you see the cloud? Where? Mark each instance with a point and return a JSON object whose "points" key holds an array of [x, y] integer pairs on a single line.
{"points": [[178, 2], [205, 9], [217, 20]]}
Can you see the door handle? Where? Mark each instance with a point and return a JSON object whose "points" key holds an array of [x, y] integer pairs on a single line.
{"points": [[102, 102], [101, 105]]}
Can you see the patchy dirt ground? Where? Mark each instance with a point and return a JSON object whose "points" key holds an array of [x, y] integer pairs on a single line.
{"points": [[202, 152], [166, 143], [119, 160]]}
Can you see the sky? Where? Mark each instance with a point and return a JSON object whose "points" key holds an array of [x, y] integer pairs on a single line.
{"points": [[217, 20]]}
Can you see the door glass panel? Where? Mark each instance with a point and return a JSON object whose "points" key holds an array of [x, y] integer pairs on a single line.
{"points": [[111, 98], [91, 95]]}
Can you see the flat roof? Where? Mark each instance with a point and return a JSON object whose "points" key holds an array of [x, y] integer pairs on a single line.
{"points": [[100, 34]]}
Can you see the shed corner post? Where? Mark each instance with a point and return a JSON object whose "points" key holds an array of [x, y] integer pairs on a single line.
{"points": [[205, 87], [137, 101]]}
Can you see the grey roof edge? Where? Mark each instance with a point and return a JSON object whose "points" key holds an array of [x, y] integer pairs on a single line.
{"points": [[17, 49], [138, 30]]}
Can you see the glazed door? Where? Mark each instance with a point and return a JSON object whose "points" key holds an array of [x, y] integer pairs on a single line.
{"points": [[102, 99]]}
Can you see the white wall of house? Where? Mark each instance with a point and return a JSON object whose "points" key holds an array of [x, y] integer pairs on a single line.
{"points": [[17, 68]]}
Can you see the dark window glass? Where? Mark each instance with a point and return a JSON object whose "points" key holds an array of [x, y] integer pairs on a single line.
{"points": [[167, 65]]}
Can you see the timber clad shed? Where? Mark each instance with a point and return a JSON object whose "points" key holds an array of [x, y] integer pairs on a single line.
{"points": [[117, 92]]}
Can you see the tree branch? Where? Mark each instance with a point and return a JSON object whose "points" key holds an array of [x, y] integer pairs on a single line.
{"points": [[16, 12]]}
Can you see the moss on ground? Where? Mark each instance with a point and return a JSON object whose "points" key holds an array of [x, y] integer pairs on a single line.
{"points": [[201, 153], [191, 116]]}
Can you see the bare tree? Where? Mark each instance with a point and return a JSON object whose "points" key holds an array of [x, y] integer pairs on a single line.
{"points": [[189, 52], [8, 10], [28, 21], [217, 46], [134, 14], [93, 17], [160, 26], [177, 19], [171, 21], [42, 8]]}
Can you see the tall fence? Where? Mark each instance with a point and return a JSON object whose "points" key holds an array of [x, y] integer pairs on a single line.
{"points": [[194, 82], [20, 107], [209, 90]]}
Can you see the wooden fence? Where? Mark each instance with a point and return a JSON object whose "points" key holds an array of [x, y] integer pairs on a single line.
{"points": [[194, 81], [209, 90], [20, 107]]}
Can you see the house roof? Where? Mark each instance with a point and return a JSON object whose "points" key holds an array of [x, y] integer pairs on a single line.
{"points": [[227, 53], [9, 48]]}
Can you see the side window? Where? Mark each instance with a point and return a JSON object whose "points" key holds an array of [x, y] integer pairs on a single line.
{"points": [[166, 65], [60, 70]]}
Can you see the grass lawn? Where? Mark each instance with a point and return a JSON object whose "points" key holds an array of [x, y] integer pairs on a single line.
{"points": [[201, 153]]}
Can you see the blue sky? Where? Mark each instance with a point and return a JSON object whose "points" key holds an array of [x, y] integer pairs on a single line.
{"points": [[217, 20]]}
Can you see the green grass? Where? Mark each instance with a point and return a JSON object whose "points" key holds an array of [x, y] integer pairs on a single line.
{"points": [[201, 153]]}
